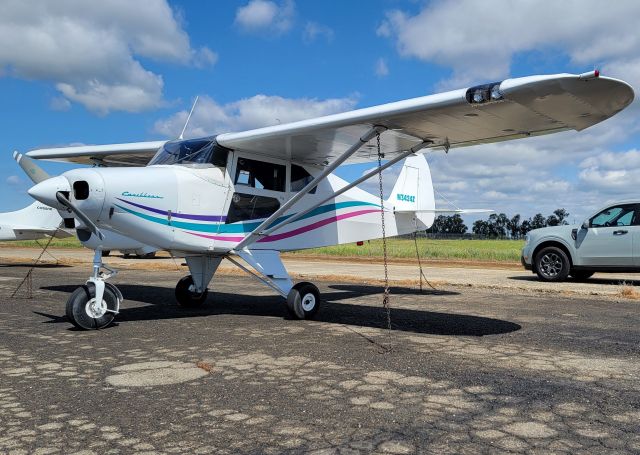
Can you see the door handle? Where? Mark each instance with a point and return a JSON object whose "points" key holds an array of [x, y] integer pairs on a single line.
{"points": [[620, 232]]}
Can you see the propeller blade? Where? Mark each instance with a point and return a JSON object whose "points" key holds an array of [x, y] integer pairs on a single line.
{"points": [[62, 199]]}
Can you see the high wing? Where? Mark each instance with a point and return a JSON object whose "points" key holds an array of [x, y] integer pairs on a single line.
{"points": [[521, 107], [131, 154]]}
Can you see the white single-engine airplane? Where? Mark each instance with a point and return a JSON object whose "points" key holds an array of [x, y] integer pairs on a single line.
{"points": [[253, 194]]}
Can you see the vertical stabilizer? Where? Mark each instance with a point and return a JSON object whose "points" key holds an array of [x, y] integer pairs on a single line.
{"points": [[413, 191]]}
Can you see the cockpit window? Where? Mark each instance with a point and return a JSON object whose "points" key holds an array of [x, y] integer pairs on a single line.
{"points": [[204, 152]]}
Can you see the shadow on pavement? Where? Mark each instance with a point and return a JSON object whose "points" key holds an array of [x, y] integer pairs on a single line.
{"points": [[37, 266], [162, 305], [607, 281]]}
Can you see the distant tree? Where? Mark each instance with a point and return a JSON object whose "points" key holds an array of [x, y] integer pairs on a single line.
{"points": [[538, 221], [480, 227], [562, 216], [513, 225], [456, 224], [525, 226], [448, 225]]}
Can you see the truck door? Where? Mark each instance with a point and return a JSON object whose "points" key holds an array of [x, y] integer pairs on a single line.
{"points": [[609, 240]]}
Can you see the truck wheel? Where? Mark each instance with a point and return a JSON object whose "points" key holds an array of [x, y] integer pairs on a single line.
{"points": [[552, 264]]}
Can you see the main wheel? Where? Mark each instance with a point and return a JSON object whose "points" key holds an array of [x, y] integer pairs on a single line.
{"points": [[581, 274], [303, 301], [185, 294], [552, 264], [147, 255], [86, 313]]}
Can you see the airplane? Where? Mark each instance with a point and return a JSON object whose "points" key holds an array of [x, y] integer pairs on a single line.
{"points": [[38, 221], [248, 196]]}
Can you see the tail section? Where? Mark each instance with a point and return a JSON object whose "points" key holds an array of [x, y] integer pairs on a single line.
{"points": [[32, 222], [412, 195]]}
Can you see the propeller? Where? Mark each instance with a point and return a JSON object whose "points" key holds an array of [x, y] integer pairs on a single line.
{"points": [[62, 199]]}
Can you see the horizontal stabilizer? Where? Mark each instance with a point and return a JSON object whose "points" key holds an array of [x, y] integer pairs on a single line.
{"points": [[447, 211]]}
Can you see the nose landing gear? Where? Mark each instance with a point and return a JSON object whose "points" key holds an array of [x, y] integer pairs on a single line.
{"points": [[95, 304]]}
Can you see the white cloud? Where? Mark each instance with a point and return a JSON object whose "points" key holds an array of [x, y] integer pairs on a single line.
{"points": [[14, 180], [313, 31], [478, 40], [266, 15], [381, 68], [210, 117], [90, 50]]}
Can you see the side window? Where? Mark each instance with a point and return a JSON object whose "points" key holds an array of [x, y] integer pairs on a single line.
{"points": [[260, 174], [621, 215], [300, 178], [250, 207]]}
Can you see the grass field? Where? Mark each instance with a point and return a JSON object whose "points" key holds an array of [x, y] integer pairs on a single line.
{"points": [[478, 250]]}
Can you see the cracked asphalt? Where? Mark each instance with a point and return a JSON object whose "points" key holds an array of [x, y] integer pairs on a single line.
{"points": [[463, 370]]}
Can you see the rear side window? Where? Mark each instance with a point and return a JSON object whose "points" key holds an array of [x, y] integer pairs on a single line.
{"points": [[250, 207], [620, 215], [300, 178], [260, 174]]}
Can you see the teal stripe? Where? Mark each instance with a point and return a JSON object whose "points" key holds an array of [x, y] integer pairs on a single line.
{"points": [[243, 227]]}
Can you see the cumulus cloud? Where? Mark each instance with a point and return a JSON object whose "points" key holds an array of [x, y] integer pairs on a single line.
{"points": [[266, 15], [211, 117], [478, 40], [90, 51]]}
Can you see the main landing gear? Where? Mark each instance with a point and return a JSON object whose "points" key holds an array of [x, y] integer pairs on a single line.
{"points": [[303, 301], [187, 295], [95, 304]]}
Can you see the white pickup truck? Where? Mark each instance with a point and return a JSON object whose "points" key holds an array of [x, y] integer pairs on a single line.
{"points": [[608, 241]]}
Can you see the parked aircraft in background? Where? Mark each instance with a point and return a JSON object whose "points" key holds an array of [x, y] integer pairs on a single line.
{"points": [[250, 195]]}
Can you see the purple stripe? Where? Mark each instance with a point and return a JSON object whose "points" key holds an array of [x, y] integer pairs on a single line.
{"points": [[177, 215], [294, 232]]}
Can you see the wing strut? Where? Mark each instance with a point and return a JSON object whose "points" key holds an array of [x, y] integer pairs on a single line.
{"points": [[257, 232], [365, 177]]}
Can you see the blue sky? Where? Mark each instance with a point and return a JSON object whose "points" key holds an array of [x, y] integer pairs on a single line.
{"points": [[118, 71]]}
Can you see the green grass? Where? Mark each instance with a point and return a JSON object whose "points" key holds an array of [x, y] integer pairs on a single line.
{"points": [[68, 242], [480, 250]]}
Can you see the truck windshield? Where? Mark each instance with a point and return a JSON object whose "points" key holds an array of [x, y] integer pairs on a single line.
{"points": [[205, 152]]}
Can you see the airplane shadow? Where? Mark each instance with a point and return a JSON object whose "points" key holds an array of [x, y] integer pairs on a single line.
{"points": [[599, 280], [334, 311]]}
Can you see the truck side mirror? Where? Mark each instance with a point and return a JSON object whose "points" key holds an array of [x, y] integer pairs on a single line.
{"points": [[585, 224]]}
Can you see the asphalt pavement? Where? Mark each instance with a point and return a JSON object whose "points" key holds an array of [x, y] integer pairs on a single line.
{"points": [[462, 370]]}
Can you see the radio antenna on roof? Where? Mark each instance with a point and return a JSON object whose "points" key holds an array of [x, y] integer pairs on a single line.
{"points": [[188, 118]]}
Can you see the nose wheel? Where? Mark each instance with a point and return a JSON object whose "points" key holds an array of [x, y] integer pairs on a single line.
{"points": [[87, 312], [95, 304]]}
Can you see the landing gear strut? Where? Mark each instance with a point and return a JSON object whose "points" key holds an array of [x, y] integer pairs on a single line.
{"points": [[95, 304]]}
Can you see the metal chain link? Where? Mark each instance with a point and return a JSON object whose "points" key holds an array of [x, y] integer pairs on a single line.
{"points": [[385, 298]]}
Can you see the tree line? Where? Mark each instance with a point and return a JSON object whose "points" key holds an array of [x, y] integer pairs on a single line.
{"points": [[498, 225]]}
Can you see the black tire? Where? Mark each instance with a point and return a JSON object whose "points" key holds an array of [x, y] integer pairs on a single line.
{"points": [[581, 275], [303, 301], [106, 253], [126, 255], [146, 256], [552, 264], [77, 307], [186, 297]]}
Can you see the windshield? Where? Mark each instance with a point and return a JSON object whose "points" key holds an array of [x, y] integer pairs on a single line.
{"points": [[194, 152]]}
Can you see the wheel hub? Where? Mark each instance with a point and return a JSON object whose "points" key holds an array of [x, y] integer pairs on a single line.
{"points": [[551, 264], [96, 309], [308, 302]]}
